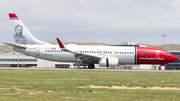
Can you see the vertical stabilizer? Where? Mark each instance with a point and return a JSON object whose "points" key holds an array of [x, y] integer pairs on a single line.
{"points": [[21, 34]]}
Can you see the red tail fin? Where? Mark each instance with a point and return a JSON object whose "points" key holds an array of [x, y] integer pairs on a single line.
{"points": [[13, 16]]}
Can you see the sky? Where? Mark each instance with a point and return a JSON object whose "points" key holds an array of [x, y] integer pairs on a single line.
{"points": [[103, 21]]}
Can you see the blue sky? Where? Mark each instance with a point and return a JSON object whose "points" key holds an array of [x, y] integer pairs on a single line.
{"points": [[104, 21]]}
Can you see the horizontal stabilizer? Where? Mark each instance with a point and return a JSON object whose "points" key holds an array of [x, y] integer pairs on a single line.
{"points": [[14, 45]]}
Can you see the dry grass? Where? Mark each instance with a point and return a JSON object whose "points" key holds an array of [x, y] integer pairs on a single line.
{"points": [[60, 85]]}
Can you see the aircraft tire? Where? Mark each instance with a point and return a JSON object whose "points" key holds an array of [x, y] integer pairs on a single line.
{"points": [[159, 67]]}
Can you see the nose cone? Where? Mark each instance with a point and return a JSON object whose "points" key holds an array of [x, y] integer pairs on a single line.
{"points": [[174, 58]]}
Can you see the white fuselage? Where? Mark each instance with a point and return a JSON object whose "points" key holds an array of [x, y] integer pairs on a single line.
{"points": [[54, 53]]}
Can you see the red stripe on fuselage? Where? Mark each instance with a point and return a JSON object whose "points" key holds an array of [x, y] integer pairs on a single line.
{"points": [[148, 55]]}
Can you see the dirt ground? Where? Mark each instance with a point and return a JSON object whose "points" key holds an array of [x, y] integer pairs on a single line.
{"points": [[123, 87]]}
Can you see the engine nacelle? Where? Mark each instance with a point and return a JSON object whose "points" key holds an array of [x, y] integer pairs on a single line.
{"points": [[108, 62]]}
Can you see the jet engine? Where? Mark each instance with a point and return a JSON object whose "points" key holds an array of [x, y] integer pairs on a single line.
{"points": [[108, 62]]}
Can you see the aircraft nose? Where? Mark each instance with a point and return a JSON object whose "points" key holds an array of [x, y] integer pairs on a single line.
{"points": [[174, 58]]}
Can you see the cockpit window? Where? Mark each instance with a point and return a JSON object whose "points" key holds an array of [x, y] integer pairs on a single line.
{"points": [[167, 53]]}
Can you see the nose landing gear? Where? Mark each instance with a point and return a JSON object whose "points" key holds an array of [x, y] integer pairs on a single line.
{"points": [[159, 67]]}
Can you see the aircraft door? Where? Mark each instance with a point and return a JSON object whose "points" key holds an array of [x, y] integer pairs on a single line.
{"points": [[37, 51], [102, 52]]}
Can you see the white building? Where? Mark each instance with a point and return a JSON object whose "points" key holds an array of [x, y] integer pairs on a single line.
{"points": [[21, 60], [128, 43]]}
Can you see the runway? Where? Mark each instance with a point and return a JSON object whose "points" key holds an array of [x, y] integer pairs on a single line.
{"points": [[99, 69]]}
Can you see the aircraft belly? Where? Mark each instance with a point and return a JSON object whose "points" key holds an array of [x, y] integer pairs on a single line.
{"points": [[65, 57]]}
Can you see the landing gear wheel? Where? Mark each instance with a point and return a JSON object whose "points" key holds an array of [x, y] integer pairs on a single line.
{"points": [[159, 67], [91, 66]]}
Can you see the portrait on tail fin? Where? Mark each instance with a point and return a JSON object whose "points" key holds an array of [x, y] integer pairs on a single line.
{"points": [[18, 36]]}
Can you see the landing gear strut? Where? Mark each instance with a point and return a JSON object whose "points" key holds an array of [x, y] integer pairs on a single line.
{"points": [[91, 66]]}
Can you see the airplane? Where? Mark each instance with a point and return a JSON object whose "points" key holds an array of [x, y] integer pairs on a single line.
{"points": [[105, 56]]}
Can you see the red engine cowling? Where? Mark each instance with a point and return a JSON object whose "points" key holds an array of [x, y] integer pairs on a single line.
{"points": [[108, 62]]}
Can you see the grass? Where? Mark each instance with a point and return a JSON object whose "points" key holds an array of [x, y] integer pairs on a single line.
{"points": [[64, 85]]}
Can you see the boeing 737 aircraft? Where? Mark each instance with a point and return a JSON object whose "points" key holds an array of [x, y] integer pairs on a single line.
{"points": [[105, 56]]}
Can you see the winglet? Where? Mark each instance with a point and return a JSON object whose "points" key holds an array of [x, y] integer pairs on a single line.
{"points": [[60, 44]]}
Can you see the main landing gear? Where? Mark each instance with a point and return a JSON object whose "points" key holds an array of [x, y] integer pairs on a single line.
{"points": [[91, 66]]}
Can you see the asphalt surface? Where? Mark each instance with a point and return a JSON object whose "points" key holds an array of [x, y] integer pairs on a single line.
{"points": [[97, 69]]}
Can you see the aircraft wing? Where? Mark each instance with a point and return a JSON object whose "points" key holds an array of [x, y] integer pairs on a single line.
{"points": [[85, 56], [79, 55], [14, 45], [175, 52]]}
